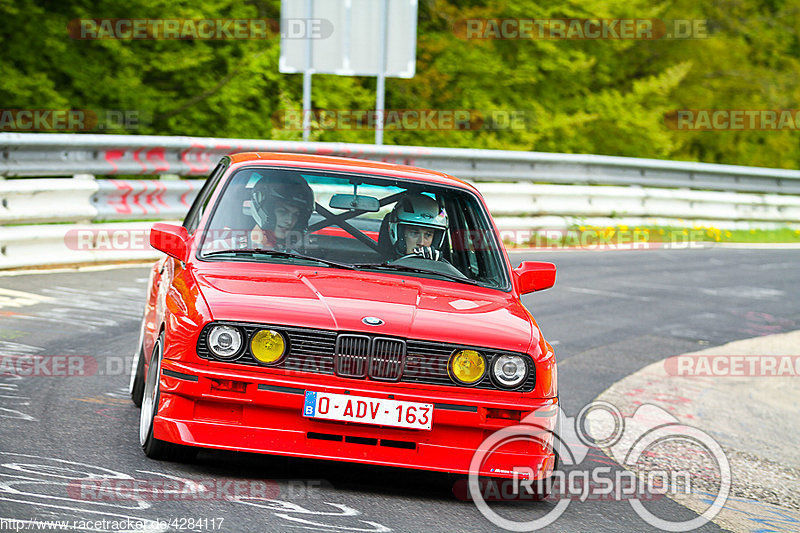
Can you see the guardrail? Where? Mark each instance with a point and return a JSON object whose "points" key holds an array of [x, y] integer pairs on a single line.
{"points": [[36, 154], [60, 244], [524, 190], [46, 200]]}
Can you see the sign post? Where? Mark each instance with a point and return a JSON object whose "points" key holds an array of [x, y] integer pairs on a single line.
{"points": [[353, 38]]}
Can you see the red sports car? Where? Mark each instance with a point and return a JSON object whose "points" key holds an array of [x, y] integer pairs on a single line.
{"points": [[341, 309]]}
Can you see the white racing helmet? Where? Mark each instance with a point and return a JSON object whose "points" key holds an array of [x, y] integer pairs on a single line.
{"points": [[416, 209]]}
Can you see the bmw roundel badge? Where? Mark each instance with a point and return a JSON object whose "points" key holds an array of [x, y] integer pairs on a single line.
{"points": [[372, 321]]}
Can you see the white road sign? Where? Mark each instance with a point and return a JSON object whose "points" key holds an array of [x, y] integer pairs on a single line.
{"points": [[354, 45]]}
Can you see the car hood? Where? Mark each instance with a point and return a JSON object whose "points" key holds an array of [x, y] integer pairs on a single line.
{"points": [[418, 308]]}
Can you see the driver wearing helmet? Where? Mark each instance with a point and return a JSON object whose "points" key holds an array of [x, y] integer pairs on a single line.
{"points": [[281, 208], [417, 226]]}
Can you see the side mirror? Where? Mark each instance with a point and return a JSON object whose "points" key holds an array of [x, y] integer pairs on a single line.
{"points": [[535, 276], [170, 239]]}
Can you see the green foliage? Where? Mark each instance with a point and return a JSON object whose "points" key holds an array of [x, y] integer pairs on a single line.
{"points": [[578, 96]]}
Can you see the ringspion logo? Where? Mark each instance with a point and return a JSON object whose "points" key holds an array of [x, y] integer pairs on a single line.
{"points": [[644, 444]]}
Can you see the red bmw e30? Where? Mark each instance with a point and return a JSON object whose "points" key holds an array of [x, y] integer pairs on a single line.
{"points": [[341, 309]]}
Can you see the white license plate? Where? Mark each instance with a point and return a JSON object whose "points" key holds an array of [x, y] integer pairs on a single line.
{"points": [[380, 411]]}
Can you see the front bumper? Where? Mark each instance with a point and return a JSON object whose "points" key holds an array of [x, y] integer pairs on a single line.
{"points": [[267, 418]]}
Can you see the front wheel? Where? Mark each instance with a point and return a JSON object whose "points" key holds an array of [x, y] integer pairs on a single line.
{"points": [[153, 447], [137, 380]]}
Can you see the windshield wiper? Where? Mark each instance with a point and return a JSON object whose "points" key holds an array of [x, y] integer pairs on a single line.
{"points": [[280, 253], [403, 268]]}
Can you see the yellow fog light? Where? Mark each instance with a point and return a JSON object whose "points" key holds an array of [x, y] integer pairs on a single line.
{"points": [[267, 346], [467, 366]]}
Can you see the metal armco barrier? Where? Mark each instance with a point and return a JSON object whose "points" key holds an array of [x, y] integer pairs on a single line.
{"points": [[578, 201], [36, 154], [58, 244], [28, 201], [524, 190], [143, 199]]}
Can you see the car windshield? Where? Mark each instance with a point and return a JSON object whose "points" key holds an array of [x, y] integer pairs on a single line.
{"points": [[354, 221]]}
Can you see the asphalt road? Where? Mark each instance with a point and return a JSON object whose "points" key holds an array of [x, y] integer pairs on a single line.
{"points": [[609, 315]]}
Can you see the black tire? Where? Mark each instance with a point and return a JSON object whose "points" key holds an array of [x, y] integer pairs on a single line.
{"points": [[559, 437], [151, 446], [137, 387]]}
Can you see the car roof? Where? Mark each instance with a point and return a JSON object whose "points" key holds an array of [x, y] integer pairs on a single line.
{"points": [[346, 164]]}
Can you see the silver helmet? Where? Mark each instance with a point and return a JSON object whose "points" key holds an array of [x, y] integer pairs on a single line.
{"points": [[416, 209]]}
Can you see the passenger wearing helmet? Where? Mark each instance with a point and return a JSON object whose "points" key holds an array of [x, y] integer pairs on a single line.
{"points": [[281, 207], [417, 225]]}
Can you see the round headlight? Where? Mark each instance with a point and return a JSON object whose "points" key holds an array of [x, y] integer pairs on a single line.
{"points": [[267, 346], [224, 341], [467, 366], [509, 370]]}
